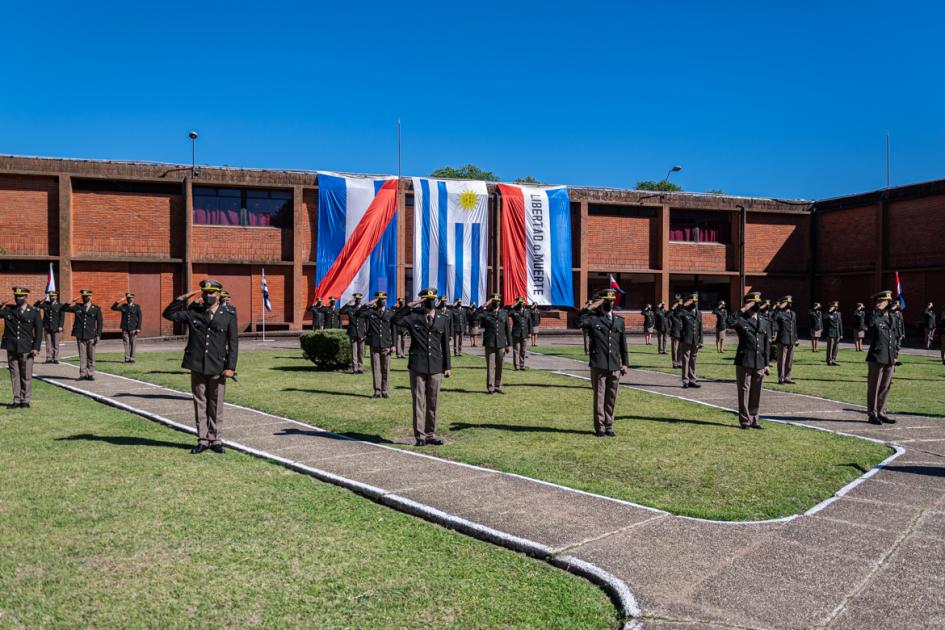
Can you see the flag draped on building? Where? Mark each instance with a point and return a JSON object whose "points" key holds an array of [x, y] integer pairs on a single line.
{"points": [[451, 238], [357, 236], [50, 282], [265, 292], [536, 244], [899, 295]]}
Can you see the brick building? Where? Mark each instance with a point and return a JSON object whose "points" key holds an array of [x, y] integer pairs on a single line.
{"points": [[157, 229]]}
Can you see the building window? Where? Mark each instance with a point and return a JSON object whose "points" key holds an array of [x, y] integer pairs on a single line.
{"points": [[698, 228], [246, 207]]}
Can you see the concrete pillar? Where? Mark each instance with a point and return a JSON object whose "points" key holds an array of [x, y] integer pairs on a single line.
{"points": [[65, 238], [402, 288], [298, 257], [879, 266], [582, 262], [187, 271], [663, 253]]}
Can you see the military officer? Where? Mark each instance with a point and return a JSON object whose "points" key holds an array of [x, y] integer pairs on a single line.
{"points": [[690, 338], [609, 360], [880, 359], [941, 334], [899, 329], [649, 324], [751, 358], [535, 323], [721, 322], [458, 322], [929, 319], [378, 320], [429, 361], [130, 324], [357, 332], [815, 322], [211, 355], [53, 323], [675, 329], [87, 330], [318, 314], [225, 297], [833, 324], [495, 340], [859, 326], [472, 319], [22, 337], [661, 318], [785, 335], [332, 316], [586, 305], [521, 321]]}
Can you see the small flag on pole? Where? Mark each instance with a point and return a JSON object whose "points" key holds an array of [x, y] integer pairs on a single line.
{"points": [[902, 299], [50, 282], [616, 287], [265, 292]]}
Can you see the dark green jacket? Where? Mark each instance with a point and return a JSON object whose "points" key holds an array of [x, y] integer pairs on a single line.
{"points": [[785, 327], [754, 340], [721, 318], [675, 322], [833, 324], [815, 319], [898, 326], [662, 320], [536, 318], [458, 319], [380, 327], [357, 328], [859, 320], [607, 339], [332, 316], [929, 318], [87, 323], [429, 343], [521, 322], [882, 343], [212, 342], [54, 317], [130, 316], [690, 326], [22, 330], [318, 317], [649, 320], [495, 327]]}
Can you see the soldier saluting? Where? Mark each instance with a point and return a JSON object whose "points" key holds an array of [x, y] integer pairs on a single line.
{"points": [[675, 329], [690, 339], [859, 326], [53, 322], [380, 339], [815, 321], [721, 323], [785, 335], [833, 321], [211, 354], [521, 328], [429, 361], [880, 359], [609, 360], [662, 327], [751, 358], [495, 340], [458, 322], [87, 330], [22, 337], [130, 324], [357, 332], [318, 315]]}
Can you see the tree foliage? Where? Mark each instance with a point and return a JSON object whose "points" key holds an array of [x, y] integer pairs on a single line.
{"points": [[470, 171], [663, 185], [528, 179]]}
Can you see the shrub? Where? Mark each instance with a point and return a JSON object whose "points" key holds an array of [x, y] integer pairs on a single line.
{"points": [[327, 349]]}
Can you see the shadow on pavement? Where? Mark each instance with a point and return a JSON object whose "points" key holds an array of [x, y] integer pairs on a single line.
{"points": [[121, 440], [346, 435]]}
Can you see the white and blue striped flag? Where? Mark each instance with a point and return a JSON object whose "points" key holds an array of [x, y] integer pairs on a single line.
{"points": [[451, 238], [265, 292]]}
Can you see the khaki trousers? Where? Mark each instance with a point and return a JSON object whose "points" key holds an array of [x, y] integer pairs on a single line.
{"points": [[833, 344], [425, 389], [357, 355], [52, 344], [749, 382], [208, 405], [380, 369], [519, 347], [21, 374], [458, 343], [128, 341], [605, 384], [661, 342], [687, 361], [401, 344], [86, 357], [785, 361], [674, 350], [929, 337], [878, 381], [494, 360]]}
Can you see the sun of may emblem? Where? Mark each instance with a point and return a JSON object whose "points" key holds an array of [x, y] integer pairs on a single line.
{"points": [[468, 200]]}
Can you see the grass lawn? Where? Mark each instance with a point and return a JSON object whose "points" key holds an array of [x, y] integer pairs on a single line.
{"points": [[671, 454], [107, 522], [916, 386]]}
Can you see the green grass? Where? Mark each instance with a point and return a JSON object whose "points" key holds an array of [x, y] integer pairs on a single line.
{"points": [[916, 386], [107, 521], [670, 454]]}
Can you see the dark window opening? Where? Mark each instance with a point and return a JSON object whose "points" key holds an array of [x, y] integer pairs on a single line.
{"points": [[245, 207], [695, 227]]}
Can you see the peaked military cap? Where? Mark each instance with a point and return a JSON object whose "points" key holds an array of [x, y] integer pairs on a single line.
{"points": [[495, 298], [458, 302], [519, 300], [332, 298], [753, 297], [85, 292], [859, 304], [427, 294], [895, 305], [357, 296], [883, 295], [766, 302], [20, 291], [210, 286], [52, 293], [607, 294], [835, 303], [787, 298], [223, 294], [129, 295], [691, 296], [380, 295]]}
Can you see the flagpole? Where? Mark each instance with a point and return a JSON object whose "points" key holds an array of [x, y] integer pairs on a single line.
{"points": [[264, 305]]}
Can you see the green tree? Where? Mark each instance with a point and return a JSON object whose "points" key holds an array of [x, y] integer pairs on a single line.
{"points": [[716, 191], [528, 179], [663, 185], [470, 171]]}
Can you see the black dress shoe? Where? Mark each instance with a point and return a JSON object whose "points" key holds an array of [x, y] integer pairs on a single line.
{"points": [[875, 421], [696, 385], [685, 385], [385, 394], [375, 395], [610, 433], [24, 405], [435, 441], [883, 419], [200, 448], [498, 390], [788, 382], [599, 434], [217, 448], [743, 426], [420, 443], [90, 378], [755, 426], [13, 406]]}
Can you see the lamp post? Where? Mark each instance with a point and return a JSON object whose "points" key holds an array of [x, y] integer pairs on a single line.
{"points": [[193, 153], [675, 169]]}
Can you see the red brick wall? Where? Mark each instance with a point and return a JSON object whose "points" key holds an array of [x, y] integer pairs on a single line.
{"points": [[308, 235], [244, 283], [308, 277], [29, 215], [774, 288], [127, 224], [847, 289], [408, 234], [915, 233], [621, 241], [846, 239], [226, 243], [777, 243], [698, 257]]}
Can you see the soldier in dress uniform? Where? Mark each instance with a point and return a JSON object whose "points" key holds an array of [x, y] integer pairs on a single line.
{"points": [[357, 332], [690, 338], [458, 321], [225, 298], [22, 338], [929, 326], [859, 326], [495, 340], [649, 324], [535, 323], [521, 327], [401, 332], [815, 322], [472, 320], [785, 335], [318, 314], [586, 305], [130, 324], [899, 329], [941, 334], [609, 360], [87, 330], [332, 316], [53, 323], [675, 329], [211, 355], [429, 361], [721, 323], [880, 359], [751, 358], [380, 339], [661, 319], [833, 324]]}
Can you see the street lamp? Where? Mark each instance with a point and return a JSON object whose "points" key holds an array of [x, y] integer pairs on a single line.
{"points": [[193, 153], [675, 169]]}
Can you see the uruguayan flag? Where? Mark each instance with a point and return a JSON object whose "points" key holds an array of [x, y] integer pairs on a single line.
{"points": [[450, 238]]}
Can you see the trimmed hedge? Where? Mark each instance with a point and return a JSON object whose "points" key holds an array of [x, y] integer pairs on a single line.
{"points": [[327, 349]]}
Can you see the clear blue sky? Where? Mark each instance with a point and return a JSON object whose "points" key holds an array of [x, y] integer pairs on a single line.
{"points": [[790, 102]]}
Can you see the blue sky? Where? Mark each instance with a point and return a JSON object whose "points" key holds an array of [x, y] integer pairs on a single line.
{"points": [[791, 100]]}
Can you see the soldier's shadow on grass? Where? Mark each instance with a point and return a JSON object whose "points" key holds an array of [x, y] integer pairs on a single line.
{"points": [[153, 396], [341, 435], [679, 421], [515, 428], [121, 440], [166, 372], [324, 391]]}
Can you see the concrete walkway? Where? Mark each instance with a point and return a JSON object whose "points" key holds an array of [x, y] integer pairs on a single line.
{"points": [[874, 556]]}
